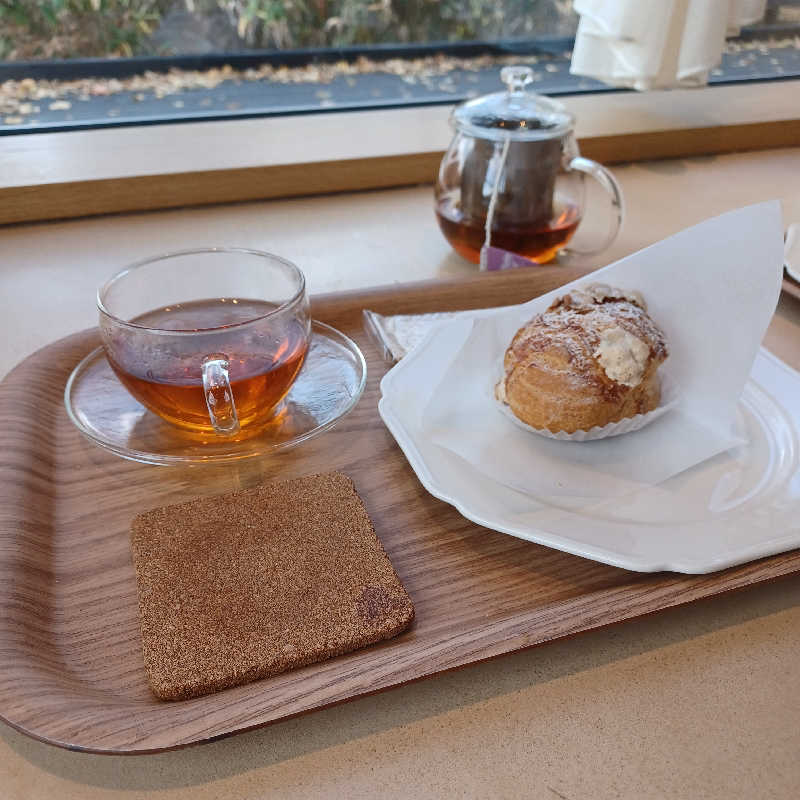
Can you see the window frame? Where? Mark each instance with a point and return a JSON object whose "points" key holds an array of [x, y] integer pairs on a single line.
{"points": [[80, 173]]}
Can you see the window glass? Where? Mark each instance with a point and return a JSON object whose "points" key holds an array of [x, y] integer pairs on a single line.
{"points": [[84, 63]]}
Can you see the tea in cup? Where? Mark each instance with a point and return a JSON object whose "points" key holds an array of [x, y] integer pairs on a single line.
{"points": [[210, 340]]}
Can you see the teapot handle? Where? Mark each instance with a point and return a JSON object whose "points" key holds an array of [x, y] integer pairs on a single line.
{"points": [[614, 190]]}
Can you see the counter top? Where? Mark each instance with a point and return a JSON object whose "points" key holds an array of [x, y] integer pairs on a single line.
{"points": [[698, 701]]}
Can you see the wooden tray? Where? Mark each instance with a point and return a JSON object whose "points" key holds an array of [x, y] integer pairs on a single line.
{"points": [[71, 670]]}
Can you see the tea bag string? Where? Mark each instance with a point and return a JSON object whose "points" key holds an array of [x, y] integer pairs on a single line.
{"points": [[487, 241]]}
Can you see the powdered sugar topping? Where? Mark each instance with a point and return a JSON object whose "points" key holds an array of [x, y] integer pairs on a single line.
{"points": [[598, 329]]}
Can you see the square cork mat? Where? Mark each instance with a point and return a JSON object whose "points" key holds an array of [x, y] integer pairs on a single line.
{"points": [[252, 583]]}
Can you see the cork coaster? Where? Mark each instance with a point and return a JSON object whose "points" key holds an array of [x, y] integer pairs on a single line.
{"points": [[252, 583]]}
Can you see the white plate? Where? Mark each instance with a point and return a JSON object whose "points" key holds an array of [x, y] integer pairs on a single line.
{"points": [[738, 506]]}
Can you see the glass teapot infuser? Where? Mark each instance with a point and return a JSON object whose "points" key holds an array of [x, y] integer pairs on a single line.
{"points": [[513, 177]]}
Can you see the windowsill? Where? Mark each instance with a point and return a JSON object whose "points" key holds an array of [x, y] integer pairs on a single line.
{"points": [[80, 173]]}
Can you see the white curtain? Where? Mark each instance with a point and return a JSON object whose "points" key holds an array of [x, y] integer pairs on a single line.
{"points": [[656, 44]]}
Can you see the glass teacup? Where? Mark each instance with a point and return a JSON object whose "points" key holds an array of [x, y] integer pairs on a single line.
{"points": [[211, 340]]}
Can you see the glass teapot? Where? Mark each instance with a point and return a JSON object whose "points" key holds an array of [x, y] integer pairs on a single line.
{"points": [[513, 177]]}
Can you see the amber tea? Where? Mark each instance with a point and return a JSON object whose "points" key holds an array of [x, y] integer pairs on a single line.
{"points": [[264, 357], [540, 242]]}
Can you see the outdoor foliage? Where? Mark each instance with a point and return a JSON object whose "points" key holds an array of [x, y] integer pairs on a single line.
{"points": [[87, 28], [265, 23], [69, 28]]}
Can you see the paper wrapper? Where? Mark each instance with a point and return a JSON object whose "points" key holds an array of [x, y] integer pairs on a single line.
{"points": [[669, 400], [712, 289], [399, 334]]}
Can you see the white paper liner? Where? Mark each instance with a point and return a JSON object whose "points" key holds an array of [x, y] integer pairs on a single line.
{"points": [[711, 288], [669, 399]]}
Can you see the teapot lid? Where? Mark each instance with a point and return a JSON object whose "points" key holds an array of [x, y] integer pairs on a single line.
{"points": [[515, 113]]}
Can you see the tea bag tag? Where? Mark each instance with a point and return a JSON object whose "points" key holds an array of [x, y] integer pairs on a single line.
{"points": [[494, 259]]}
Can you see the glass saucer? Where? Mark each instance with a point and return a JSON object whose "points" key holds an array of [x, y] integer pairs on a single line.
{"points": [[327, 388]]}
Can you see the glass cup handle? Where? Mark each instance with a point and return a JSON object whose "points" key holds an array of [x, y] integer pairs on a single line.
{"points": [[219, 396], [614, 190]]}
